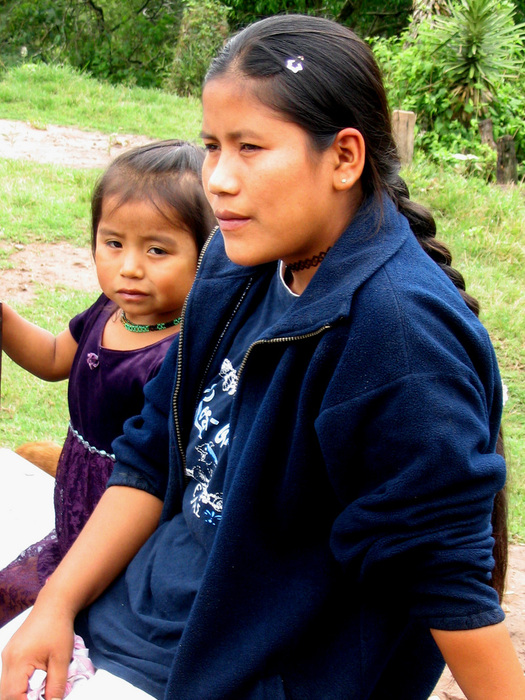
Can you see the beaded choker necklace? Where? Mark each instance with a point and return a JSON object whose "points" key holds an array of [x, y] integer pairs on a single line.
{"points": [[138, 328], [307, 263]]}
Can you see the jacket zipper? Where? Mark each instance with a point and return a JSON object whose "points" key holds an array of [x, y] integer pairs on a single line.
{"points": [[217, 344], [268, 341], [179, 360], [284, 339]]}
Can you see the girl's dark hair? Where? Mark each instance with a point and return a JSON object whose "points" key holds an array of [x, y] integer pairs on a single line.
{"points": [[168, 174], [322, 77]]}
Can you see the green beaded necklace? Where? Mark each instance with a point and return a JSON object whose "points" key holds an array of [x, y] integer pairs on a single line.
{"points": [[138, 328]]}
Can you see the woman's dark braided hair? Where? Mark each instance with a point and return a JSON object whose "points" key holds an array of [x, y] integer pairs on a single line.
{"points": [[339, 85]]}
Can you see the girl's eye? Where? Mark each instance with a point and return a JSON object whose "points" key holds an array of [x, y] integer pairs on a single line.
{"points": [[157, 251], [114, 244]]}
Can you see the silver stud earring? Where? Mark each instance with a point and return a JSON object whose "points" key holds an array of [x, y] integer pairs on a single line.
{"points": [[343, 180]]}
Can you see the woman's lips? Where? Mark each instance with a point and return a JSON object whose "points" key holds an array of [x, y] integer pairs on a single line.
{"points": [[229, 221]]}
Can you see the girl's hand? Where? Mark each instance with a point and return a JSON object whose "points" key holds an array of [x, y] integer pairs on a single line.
{"points": [[44, 641], [35, 349]]}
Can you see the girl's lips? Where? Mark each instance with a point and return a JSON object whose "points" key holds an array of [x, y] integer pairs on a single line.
{"points": [[131, 294]]}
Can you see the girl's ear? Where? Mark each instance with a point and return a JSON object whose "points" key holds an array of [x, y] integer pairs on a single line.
{"points": [[349, 150]]}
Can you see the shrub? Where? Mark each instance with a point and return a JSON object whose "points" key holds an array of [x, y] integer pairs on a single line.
{"points": [[477, 45], [203, 30], [416, 79], [130, 42]]}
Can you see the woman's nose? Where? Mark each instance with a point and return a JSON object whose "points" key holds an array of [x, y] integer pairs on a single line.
{"points": [[222, 178]]}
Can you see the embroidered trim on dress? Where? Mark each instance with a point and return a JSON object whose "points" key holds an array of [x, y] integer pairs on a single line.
{"points": [[89, 447]]}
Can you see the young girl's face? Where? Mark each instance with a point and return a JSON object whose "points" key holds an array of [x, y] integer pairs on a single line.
{"points": [[272, 194], [145, 263]]}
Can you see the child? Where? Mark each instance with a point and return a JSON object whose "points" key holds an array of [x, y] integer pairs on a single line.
{"points": [[149, 221], [315, 464]]}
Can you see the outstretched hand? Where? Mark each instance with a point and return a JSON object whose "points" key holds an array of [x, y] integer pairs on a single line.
{"points": [[44, 641]]}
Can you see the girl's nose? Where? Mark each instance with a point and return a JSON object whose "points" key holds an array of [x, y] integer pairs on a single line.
{"points": [[222, 178], [131, 264]]}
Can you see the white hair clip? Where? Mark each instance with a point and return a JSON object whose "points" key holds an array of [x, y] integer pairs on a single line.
{"points": [[294, 64]]}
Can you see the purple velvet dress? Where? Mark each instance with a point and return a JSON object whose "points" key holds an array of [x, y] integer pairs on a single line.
{"points": [[105, 389]]}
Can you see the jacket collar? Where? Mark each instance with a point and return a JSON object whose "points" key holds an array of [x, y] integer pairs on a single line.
{"points": [[374, 235]]}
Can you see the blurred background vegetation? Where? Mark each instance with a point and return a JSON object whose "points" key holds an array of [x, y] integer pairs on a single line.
{"points": [[453, 62]]}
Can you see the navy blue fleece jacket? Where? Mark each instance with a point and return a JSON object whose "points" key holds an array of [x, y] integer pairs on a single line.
{"points": [[360, 482]]}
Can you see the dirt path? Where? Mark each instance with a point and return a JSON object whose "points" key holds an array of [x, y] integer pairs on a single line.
{"points": [[65, 265], [60, 263], [64, 145]]}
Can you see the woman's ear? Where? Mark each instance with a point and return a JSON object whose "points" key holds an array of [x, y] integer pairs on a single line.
{"points": [[349, 149]]}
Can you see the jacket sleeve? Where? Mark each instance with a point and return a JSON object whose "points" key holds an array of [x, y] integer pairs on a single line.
{"points": [[142, 452], [418, 494]]}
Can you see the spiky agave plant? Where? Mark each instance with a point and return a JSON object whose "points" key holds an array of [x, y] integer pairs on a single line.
{"points": [[479, 45]]}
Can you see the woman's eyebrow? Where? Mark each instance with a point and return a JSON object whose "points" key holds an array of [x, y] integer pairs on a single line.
{"points": [[234, 135]]}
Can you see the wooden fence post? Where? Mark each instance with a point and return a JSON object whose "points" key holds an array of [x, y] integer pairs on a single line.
{"points": [[486, 132], [403, 123], [507, 166]]}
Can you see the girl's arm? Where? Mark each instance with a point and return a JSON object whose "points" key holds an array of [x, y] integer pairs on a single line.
{"points": [[483, 662], [123, 520], [36, 350]]}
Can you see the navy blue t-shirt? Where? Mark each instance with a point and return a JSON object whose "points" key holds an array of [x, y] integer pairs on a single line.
{"points": [[133, 629]]}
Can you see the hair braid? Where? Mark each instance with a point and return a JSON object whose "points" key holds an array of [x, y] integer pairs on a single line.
{"points": [[423, 226]]}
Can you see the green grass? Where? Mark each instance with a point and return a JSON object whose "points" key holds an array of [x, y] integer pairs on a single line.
{"points": [[44, 203], [481, 223], [44, 94], [32, 409]]}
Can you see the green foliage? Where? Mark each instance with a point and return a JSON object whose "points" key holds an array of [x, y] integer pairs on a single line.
{"points": [[417, 80], [127, 41], [366, 17], [478, 46], [508, 114], [204, 28]]}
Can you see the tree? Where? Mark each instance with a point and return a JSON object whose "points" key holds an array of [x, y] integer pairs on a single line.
{"points": [[119, 40], [366, 17]]}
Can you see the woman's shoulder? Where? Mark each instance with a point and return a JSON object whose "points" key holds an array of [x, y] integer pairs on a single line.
{"points": [[410, 314]]}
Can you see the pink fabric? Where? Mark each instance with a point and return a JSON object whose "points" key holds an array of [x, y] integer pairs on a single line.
{"points": [[80, 669]]}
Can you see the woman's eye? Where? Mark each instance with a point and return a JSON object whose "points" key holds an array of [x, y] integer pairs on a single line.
{"points": [[249, 147], [211, 147]]}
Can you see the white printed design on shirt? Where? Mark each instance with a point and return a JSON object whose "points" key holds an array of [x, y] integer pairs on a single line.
{"points": [[214, 437], [229, 383]]}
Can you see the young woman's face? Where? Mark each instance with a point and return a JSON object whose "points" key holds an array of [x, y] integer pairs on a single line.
{"points": [[272, 194], [145, 263]]}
